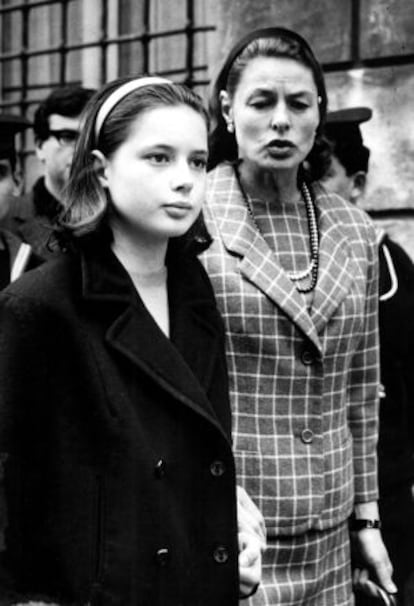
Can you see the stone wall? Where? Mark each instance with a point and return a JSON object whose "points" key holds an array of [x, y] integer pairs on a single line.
{"points": [[386, 35]]}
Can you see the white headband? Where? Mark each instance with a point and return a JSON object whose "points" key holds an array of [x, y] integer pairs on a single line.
{"points": [[118, 94]]}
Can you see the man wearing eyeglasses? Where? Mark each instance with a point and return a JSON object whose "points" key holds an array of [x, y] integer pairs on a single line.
{"points": [[56, 129]]}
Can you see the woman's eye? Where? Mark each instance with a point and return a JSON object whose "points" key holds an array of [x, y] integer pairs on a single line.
{"points": [[299, 105], [259, 103]]}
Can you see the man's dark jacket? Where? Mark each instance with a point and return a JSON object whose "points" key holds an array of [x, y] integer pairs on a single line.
{"points": [[120, 480], [34, 219], [396, 320]]}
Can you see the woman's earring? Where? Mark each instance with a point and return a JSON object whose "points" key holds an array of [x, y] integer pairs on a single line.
{"points": [[230, 127]]}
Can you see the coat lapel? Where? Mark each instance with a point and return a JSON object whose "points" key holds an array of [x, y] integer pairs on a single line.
{"points": [[133, 333], [258, 263]]}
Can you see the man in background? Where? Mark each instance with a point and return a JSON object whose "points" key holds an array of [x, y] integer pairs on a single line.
{"points": [[347, 176], [15, 256], [57, 123]]}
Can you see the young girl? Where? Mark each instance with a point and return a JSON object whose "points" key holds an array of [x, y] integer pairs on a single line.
{"points": [[120, 481]]}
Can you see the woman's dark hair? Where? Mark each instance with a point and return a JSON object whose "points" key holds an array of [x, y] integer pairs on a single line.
{"points": [[267, 42], [86, 202]]}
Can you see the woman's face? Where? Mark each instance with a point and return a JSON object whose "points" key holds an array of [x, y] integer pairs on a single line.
{"points": [[275, 113], [157, 177]]}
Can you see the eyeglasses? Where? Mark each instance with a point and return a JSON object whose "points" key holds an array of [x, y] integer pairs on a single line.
{"points": [[66, 137]]}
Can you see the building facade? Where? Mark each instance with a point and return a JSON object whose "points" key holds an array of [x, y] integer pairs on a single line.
{"points": [[365, 46]]}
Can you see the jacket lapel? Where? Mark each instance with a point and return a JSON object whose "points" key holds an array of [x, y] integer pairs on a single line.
{"points": [[133, 333], [336, 265], [258, 263]]}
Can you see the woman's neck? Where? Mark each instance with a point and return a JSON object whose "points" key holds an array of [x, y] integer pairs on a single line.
{"points": [[280, 186], [139, 256]]}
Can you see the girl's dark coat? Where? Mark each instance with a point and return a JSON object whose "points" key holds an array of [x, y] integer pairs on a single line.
{"points": [[120, 477]]}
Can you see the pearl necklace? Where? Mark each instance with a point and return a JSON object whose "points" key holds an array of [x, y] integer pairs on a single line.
{"points": [[312, 270]]}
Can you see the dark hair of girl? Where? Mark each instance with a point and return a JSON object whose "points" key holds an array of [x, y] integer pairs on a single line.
{"points": [[86, 202], [268, 42]]}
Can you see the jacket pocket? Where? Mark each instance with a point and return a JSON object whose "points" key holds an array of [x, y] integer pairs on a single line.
{"points": [[287, 489]]}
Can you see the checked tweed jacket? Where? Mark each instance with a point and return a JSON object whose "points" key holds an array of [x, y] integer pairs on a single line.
{"points": [[304, 385]]}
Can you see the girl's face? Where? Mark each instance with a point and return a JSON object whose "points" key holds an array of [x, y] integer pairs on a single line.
{"points": [[157, 177], [275, 113]]}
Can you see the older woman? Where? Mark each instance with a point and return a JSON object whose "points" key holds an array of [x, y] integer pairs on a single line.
{"points": [[295, 274]]}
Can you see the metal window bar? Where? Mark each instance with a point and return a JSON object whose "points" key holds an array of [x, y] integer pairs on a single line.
{"points": [[187, 73], [357, 61]]}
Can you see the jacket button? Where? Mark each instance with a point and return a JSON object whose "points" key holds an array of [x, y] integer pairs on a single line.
{"points": [[217, 468], [162, 556], [160, 468], [307, 436], [308, 357], [221, 555]]}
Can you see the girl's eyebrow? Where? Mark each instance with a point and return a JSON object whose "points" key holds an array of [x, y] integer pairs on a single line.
{"points": [[166, 147], [158, 146], [203, 152]]}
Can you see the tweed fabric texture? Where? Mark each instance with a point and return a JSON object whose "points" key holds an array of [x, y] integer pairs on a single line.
{"points": [[311, 569], [304, 384]]}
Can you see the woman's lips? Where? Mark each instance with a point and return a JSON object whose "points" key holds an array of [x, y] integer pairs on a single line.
{"points": [[281, 144], [280, 148]]}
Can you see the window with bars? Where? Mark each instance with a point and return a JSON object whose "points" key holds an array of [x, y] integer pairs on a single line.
{"points": [[48, 43]]}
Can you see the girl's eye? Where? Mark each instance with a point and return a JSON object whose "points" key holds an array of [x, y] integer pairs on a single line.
{"points": [[158, 158], [199, 163], [4, 171]]}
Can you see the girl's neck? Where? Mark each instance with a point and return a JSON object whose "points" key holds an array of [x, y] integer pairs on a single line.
{"points": [[280, 187], [140, 256]]}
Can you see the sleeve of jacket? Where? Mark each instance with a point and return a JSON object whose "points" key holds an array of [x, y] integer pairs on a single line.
{"points": [[23, 381], [363, 386]]}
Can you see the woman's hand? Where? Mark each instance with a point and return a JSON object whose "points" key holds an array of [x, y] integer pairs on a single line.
{"points": [[252, 542], [373, 567], [374, 557]]}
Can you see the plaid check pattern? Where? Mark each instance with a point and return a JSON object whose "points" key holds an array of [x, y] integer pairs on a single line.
{"points": [[304, 385], [311, 569]]}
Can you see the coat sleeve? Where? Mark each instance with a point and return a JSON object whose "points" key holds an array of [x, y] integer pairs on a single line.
{"points": [[363, 386], [23, 381]]}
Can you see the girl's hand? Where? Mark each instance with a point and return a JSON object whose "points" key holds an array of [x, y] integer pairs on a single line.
{"points": [[250, 563], [249, 517], [252, 543]]}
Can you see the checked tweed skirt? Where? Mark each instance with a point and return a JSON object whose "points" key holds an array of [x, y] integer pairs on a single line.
{"points": [[312, 569]]}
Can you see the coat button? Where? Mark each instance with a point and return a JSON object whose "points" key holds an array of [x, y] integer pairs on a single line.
{"points": [[221, 555], [307, 436], [162, 556], [160, 468], [217, 468], [308, 357]]}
